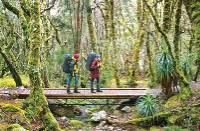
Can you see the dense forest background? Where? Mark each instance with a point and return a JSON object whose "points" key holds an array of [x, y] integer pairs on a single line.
{"points": [[142, 43]]}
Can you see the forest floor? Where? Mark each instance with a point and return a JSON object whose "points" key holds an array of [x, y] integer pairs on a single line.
{"points": [[12, 113]]}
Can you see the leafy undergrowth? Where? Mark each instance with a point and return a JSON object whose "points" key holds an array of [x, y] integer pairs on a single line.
{"points": [[143, 83], [184, 113], [11, 113], [7, 81]]}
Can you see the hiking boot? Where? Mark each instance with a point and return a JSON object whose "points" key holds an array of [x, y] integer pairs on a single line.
{"points": [[99, 90], [69, 92], [76, 91], [92, 91]]}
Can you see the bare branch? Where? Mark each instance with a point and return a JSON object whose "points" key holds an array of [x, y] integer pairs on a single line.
{"points": [[10, 7], [50, 7], [24, 7]]}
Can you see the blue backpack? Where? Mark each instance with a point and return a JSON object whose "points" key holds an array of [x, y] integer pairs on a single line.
{"points": [[89, 60], [68, 64]]}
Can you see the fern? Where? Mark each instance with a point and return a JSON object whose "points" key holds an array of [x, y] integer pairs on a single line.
{"points": [[147, 105]]}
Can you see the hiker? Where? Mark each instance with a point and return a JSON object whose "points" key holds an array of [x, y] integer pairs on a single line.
{"points": [[70, 67], [95, 73]]}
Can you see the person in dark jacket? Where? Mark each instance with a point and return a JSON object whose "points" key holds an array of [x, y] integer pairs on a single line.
{"points": [[95, 73]]}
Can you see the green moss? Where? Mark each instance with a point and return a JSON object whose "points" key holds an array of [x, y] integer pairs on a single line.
{"points": [[3, 126], [76, 123], [155, 129], [11, 108], [175, 128], [150, 119], [173, 102], [8, 81], [15, 127], [50, 124], [172, 119]]}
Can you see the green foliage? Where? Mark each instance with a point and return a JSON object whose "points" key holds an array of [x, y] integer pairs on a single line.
{"points": [[174, 128], [15, 127], [164, 64], [76, 123], [8, 81], [186, 65], [11, 108], [147, 105], [50, 124], [106, 75]]}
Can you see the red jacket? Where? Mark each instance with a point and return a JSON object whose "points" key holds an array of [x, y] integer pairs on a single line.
{"points": [[95, 72]]}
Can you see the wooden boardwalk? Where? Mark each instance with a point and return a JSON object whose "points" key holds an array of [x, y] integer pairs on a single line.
{"points": [[60, 93]]}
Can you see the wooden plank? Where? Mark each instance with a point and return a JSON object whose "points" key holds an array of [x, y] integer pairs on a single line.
{"points": [[101, 88], [85, 94]]}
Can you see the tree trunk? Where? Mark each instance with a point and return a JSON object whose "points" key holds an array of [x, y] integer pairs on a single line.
{"points": [[166, 16], [90, 26], [78, 25], [177, 30], [12, 69], [37, 101], [138, 42], [196, 27], [113, 41], [149, 56], [197, 73]]}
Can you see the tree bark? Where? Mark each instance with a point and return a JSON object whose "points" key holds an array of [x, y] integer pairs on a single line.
{"points": [[149, 56], [196, 26], [166, 16], [12, 69], [138, 42], [113, 38], [90, 26], [177, 30]]}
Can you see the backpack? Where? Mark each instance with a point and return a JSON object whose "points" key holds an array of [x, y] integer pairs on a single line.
{"points": [[68, 64], [89, 60]]}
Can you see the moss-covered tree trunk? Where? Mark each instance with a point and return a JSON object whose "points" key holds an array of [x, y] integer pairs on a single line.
{"points": [[90, 26], [166, 16], [114, 42], [12, 69], [149, 56], [38, 105], [196, 27], [138, 42], [177, 30], [78, 25]]}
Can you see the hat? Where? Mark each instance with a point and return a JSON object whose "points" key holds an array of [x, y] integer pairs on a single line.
{"points": [[98, 56], [76, 56], [67, 55]]}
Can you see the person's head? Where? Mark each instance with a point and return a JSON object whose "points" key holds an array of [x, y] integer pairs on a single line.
{"points": [[76, 56], [67, 55], [98, 57]]}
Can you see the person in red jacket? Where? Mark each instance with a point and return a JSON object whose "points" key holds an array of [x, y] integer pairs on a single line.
{"points": [[95, 73]]}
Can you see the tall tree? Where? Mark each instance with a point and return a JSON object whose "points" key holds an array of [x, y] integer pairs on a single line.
{"points": [[114, 42], [177, 30], [195, 8], [167, 16], [91, 26], [138, 42], [38, 106]]}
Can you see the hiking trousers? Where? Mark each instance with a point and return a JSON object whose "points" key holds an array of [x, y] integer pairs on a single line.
{"points": [[97, 83], [69, 79]]}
